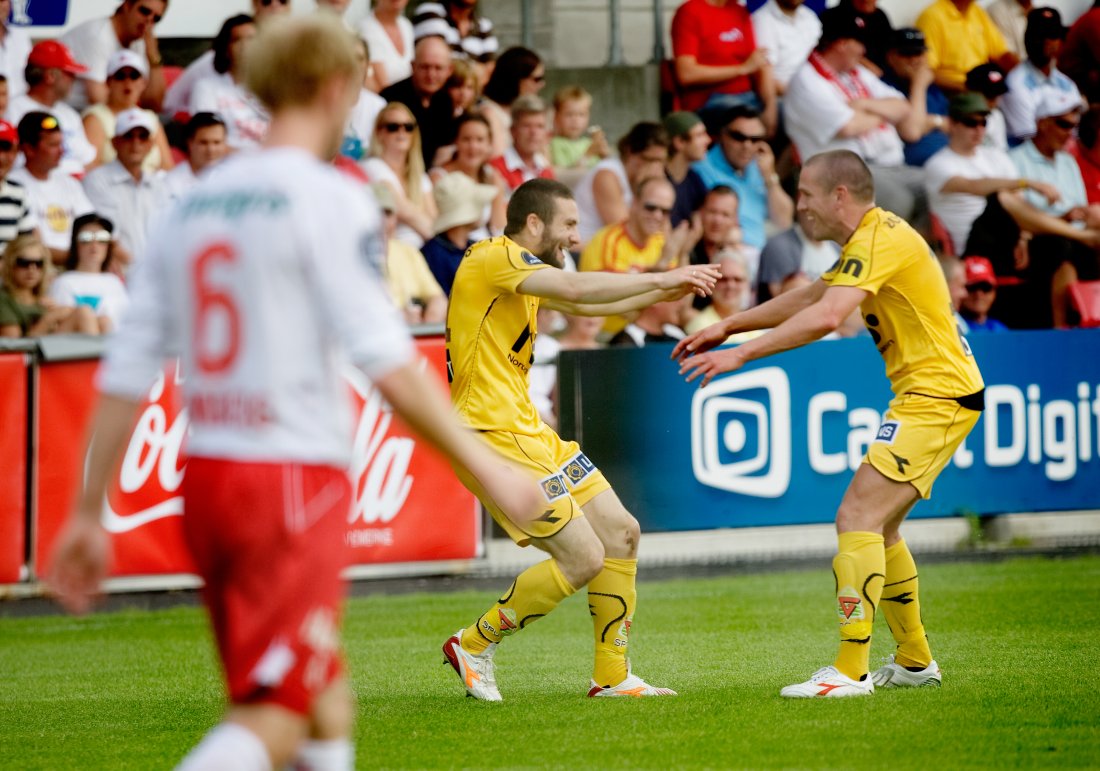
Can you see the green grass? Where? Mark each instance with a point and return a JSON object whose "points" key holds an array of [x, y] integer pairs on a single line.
{"points": [[1016, 640]]}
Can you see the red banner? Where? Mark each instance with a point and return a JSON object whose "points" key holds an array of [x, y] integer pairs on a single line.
{"points": [[408, 505], [13, 464]]}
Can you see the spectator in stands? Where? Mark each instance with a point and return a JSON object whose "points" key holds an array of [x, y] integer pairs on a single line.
{"points": [[123, 191], [907, 70], [132, 26], [15, 47], [178, 97], [718, 64], [4, 93], [50, 75], [981, 293], [961, 36], [425, 94], [360, 127], [1010, 17], [742, 159], [461, 203], [463, 86], [1080, 57], [877, 30], [575, 146], [732, 294], [126, 73], [786, 30], [603, 196], [25, 307], [469, 34], [581, 333], [396, 161], [473, 146], [225, 93], [410, 283], [954, 272], [790, 259], [15, 214], [205, 140], [989, 81], [524, 159], [720, 225], [389, 35], [835, 104], [1086, 151], [518, 72], [53, 196], [1039, 74], [690, 141], [88, 279], [658, 323]]}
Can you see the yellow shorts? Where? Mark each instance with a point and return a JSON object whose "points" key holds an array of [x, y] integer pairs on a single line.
{"points": [[569, 480], [918, 436]]}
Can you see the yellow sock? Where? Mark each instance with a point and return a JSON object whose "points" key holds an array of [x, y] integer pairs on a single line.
{"points": [[859, 568], [534, 593], [611, 601], [901, 605]]}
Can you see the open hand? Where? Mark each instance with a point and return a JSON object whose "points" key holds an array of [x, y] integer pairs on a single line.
{"points": [[699, 279], [711, 364]]}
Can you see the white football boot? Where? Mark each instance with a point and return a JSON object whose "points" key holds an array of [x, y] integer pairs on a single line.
{"points": [[631, 686], [829, 682], [476, 671], [893, 675]]}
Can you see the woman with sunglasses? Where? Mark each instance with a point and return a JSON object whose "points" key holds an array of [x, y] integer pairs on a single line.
{"points": [[518, 72], [89, 279], [25, 308], [126, 80], [396, 161], [472, 151]]}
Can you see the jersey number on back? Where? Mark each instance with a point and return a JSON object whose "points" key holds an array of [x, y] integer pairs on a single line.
{"points": [[215, 307]]}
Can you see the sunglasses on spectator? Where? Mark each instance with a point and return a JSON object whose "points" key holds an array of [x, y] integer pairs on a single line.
{"points": [[983, 286], [268, 3], [733, 279], [393, 128], [737, 136], [88, 237], [146, 11], [6, 146], [126, 74], [29, 262], [538, 78], [1065, 123], [972, 121], [652, 208], [140, 134]]}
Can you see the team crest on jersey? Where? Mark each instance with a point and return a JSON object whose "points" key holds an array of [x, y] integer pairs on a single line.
{"points": [[578, 468], [849, 605], [529, 258], [508, 623], [553, 487], [888, 431]]}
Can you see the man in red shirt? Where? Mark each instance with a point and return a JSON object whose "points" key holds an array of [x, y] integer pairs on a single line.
{"points": [[717, 63], [1086, 151]]}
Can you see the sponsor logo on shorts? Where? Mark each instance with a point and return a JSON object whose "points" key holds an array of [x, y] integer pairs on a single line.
{"points": [[578, 468], [849, 605], [888, 431], [508, 624], [553, 487]]}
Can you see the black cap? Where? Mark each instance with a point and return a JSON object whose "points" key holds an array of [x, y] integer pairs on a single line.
{"points": [[840, 23], [988, 80], [1045, 24], [908, 41]]}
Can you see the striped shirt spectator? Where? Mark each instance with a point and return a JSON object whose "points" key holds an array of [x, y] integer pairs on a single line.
{"points": [[470, 35], [15, 214]]}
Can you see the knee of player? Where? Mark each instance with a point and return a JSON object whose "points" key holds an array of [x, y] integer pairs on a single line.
{"points": [[590, 565], [631, 535]]}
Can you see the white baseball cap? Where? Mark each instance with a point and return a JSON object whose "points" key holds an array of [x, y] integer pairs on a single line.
{"points": [[1054, 103], [123, 58], [135, 118]]}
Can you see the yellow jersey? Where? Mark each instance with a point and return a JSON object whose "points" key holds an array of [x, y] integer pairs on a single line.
{"points": [[908, 311], [491, 337], [957, 41], [613, 250]]}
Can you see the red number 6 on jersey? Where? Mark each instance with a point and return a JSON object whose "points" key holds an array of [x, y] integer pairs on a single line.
{"points": [[209, 300]]}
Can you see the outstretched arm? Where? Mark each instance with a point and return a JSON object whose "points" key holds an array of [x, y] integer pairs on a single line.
{"points": [[635, 303], [597, 288]]}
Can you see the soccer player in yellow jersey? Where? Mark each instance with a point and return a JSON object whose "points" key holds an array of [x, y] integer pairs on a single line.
{"points": [[591, 538], [887, 271]]}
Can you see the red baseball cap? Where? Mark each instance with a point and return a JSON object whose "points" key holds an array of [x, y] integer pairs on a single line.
{"points": [[8, 132], [979, 270], [53, 54]]}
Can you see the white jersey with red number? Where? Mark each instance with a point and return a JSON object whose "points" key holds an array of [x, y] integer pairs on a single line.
{"points": [[263, 279]]}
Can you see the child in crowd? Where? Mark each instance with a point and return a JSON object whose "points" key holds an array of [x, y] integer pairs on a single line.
{"points": [[575, 144]]}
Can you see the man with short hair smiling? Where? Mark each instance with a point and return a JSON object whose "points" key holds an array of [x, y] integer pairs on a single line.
{"points": [[524, 158], [688, 145], [205, 138], [425, 94], [131, 26]]}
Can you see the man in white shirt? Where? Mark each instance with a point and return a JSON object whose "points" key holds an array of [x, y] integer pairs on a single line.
{"points": [[53, 196], [205, 137], [15, 47], [275, 254], [93, 42], [51, 72], [788, 31], [123, 191]]}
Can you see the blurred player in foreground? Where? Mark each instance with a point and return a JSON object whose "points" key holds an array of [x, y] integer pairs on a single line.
{"points": [[591, 539], [887, 270], [262, 278]]}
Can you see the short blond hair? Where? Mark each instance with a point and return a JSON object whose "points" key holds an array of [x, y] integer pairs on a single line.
{"points": [[571, 94], [291, 59]]}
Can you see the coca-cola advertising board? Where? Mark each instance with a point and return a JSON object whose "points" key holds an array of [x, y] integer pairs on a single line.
{"points": [[13, 464], [408, 506]]}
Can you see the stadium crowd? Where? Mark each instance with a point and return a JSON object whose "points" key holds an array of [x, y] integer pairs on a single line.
{"points": [[976, 124]]}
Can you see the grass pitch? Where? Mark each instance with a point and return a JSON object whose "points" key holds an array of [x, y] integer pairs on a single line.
{"points": [[1016, 641]]}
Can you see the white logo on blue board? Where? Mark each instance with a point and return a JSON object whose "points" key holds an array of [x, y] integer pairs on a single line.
{"points": [[39, 13]]}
